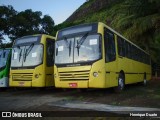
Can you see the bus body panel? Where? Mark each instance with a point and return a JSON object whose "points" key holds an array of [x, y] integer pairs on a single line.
{"points": [[72, 77], [4, 73], [27, 77], [134, 71], [39, 76], [108, 72], [99, 81], [4, 82], [48, 71]]}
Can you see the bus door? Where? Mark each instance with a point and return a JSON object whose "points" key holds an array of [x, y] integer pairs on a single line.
{"points": [[49, 62], [110, 58]]}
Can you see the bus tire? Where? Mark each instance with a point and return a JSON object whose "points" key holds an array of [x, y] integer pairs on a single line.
{"points": [[121, 83]]}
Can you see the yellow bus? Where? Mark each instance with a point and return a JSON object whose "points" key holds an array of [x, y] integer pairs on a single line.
{"points": [[95, 56], [32, 61]]}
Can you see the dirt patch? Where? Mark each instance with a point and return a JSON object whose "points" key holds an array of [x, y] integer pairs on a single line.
{"points": [[135, 95]]}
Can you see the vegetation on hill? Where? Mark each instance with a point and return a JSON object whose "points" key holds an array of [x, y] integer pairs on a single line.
{"points": [[137, 20]]}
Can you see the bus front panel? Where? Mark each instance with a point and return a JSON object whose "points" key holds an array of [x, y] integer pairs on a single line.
{"points": [[29, 65]]}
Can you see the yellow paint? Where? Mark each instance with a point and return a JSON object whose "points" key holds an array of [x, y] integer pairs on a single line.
{"points": [[104, 79], [27, 76]]}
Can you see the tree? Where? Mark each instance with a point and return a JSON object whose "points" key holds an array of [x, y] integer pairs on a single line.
{"points": [[6, 13], [17, 24], [47, 24]]}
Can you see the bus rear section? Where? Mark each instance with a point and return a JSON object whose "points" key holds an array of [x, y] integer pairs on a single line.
{"points": [[5, 58], [32, 61]]}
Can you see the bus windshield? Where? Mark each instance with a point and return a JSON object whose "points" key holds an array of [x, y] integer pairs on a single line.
{"points": [[26, 56], [78, 49], [3, 57]]}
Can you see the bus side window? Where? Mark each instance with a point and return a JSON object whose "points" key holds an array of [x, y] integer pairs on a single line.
{"points": [[109, 46], [50, 52], [127, 49], [121, 47]]}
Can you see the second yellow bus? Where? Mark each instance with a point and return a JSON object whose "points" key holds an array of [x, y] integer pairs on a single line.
{"points": [[32, 61]]}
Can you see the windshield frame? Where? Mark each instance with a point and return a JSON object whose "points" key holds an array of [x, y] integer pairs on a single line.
{"points": [[28, 67], [85, 62], [27, 43]]}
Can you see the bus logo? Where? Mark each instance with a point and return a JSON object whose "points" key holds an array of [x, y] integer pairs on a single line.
{"points": [[21, 83]]}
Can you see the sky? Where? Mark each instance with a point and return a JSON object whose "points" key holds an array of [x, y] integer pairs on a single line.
{"points": [[59, 10]]}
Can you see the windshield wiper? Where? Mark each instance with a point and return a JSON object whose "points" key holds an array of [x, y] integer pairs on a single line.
{"points": [[81, 41], [68, 45], [20, 54], [57, 48], [27, 51]]}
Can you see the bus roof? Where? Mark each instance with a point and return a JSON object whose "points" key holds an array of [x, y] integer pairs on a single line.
{"points": [[33, 35], [100, 23], [36, 35], [122, 36]]}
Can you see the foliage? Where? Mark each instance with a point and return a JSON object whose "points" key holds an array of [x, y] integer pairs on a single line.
{"points": [[17, 24]]}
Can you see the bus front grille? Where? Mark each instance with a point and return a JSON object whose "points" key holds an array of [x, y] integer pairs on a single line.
{"points": [[22, 76], [74, 75]]}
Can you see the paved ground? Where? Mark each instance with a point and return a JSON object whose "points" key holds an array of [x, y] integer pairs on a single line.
{"points": [[18, 100], [72, 100]]}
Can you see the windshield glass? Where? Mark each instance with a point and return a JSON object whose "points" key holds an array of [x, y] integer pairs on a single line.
{"points": [[3, 57], [25, 56], [78, 49]]}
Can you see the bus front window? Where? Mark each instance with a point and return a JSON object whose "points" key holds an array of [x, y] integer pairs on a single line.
{"points": [[34, 56], [89, 50], [26, 56], [85, 48], [64, 51], [17, 56]]}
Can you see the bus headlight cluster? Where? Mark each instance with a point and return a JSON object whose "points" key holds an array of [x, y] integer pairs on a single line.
{"points": [[36, 76], [95, 74]]}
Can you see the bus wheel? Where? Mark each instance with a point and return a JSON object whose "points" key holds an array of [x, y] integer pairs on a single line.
{"points": [[121, 83]]}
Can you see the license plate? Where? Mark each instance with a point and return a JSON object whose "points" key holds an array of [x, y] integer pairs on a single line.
{"points": [[73, 85], [21, 83]]}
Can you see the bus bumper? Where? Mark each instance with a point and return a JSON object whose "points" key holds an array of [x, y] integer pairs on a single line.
{"points": [[20, 84], [4, 82], [72, 84]]}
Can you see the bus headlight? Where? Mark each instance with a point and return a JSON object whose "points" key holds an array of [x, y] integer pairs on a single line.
{"points": [[95, 74], [36, 76]]}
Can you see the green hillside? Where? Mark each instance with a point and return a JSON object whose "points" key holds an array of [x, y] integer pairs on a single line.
{"points": [[137, 20]]}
